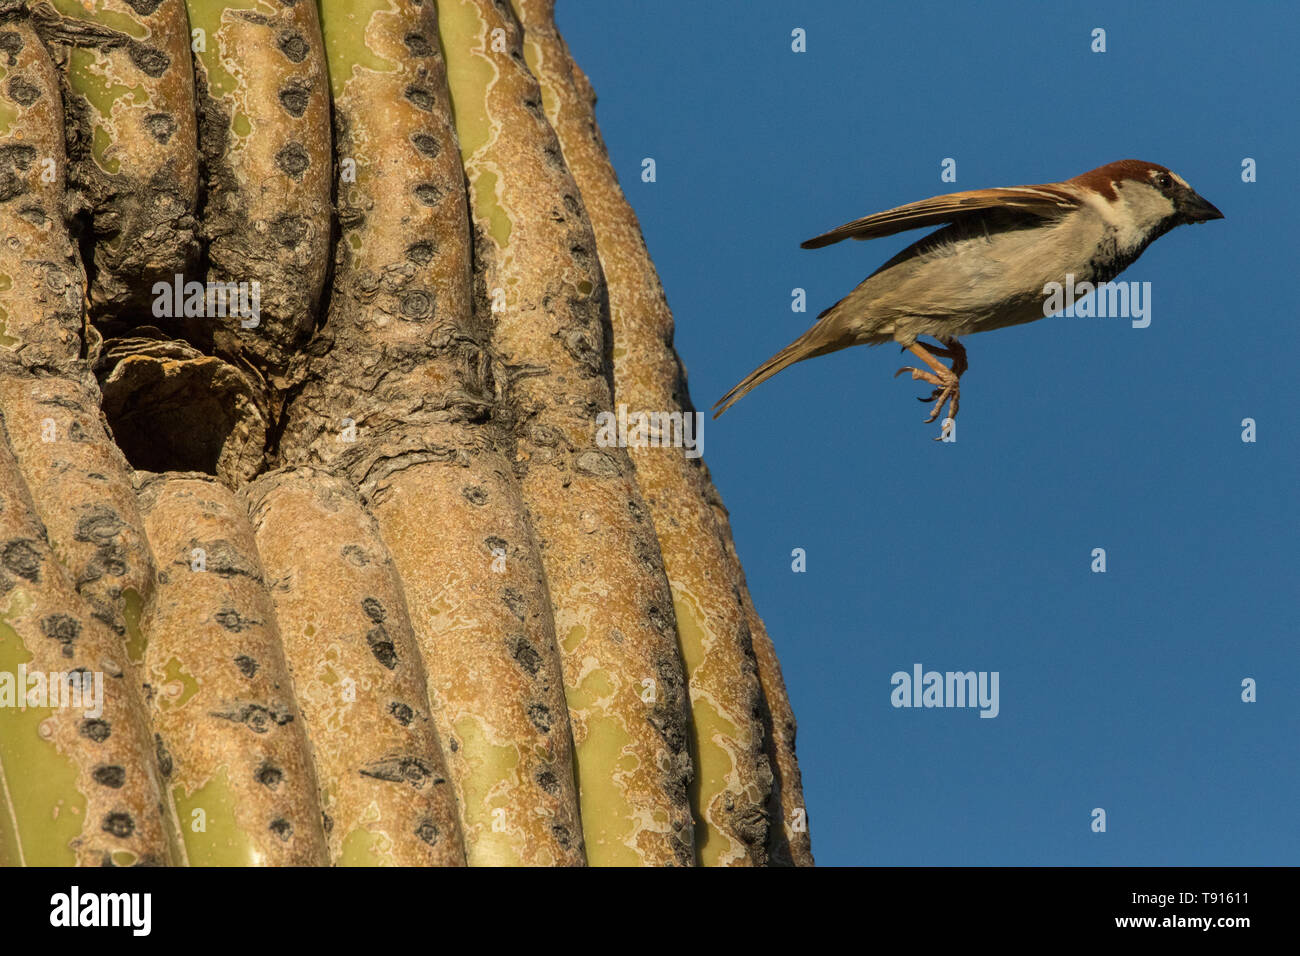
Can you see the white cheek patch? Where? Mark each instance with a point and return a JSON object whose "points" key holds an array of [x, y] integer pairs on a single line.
{"points": [[1139, 210]]}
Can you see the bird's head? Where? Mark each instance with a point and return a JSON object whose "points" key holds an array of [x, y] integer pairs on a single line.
{"points": [[1149, 197]]}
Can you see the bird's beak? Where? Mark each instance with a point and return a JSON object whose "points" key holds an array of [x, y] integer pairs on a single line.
{"points": [[1196, 209]]}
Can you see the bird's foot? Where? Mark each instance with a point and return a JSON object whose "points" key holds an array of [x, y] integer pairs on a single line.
{"points": [[957, 352], [947, 390], [947, 381]]}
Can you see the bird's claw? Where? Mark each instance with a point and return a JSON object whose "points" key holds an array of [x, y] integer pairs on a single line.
{"points": [[950, 395], [946, 380], [946, 391]]}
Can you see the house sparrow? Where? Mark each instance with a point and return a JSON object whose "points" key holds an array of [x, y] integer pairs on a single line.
{"points": [[989, 266]]}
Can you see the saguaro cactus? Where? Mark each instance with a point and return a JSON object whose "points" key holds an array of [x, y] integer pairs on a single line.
{"points": [[715, 622], [131, 137], [363, 579]]}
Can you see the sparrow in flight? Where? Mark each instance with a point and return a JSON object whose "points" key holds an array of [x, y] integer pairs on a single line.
{"points": [[990, 266]]}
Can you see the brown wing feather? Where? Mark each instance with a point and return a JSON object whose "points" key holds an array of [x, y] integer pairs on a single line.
{"points": [[1045, 201]]}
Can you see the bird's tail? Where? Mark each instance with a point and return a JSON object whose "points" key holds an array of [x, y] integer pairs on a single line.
{"points": [[811, 343]]}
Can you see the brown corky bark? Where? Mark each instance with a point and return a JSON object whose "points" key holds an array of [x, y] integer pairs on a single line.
{"points": [[231, 745], [403, 359], [542, 286], [357, 674]]}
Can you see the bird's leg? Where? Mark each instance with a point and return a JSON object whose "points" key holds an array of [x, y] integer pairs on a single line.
{"points": [[946, 380], [953, 350]]}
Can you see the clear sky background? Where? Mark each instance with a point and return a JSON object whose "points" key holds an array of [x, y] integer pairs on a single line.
{"points": [[1119, 690]]}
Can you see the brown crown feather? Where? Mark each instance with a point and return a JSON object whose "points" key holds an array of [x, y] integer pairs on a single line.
{"points": [[1104, 178]]}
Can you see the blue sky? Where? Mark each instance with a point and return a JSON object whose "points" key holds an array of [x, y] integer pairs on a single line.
{"points": [[1119, 690]]}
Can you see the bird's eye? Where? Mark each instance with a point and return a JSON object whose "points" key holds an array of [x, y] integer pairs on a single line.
{"points": [[1164, 181]]}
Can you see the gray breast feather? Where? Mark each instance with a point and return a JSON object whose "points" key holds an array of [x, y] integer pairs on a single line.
{"points": [[967, 266]]}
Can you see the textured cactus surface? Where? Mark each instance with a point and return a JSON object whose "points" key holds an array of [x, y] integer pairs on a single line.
{"points": [[317, 543]]}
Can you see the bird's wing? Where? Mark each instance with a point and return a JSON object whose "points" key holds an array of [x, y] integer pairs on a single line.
{"points": [[1045, 201]]}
